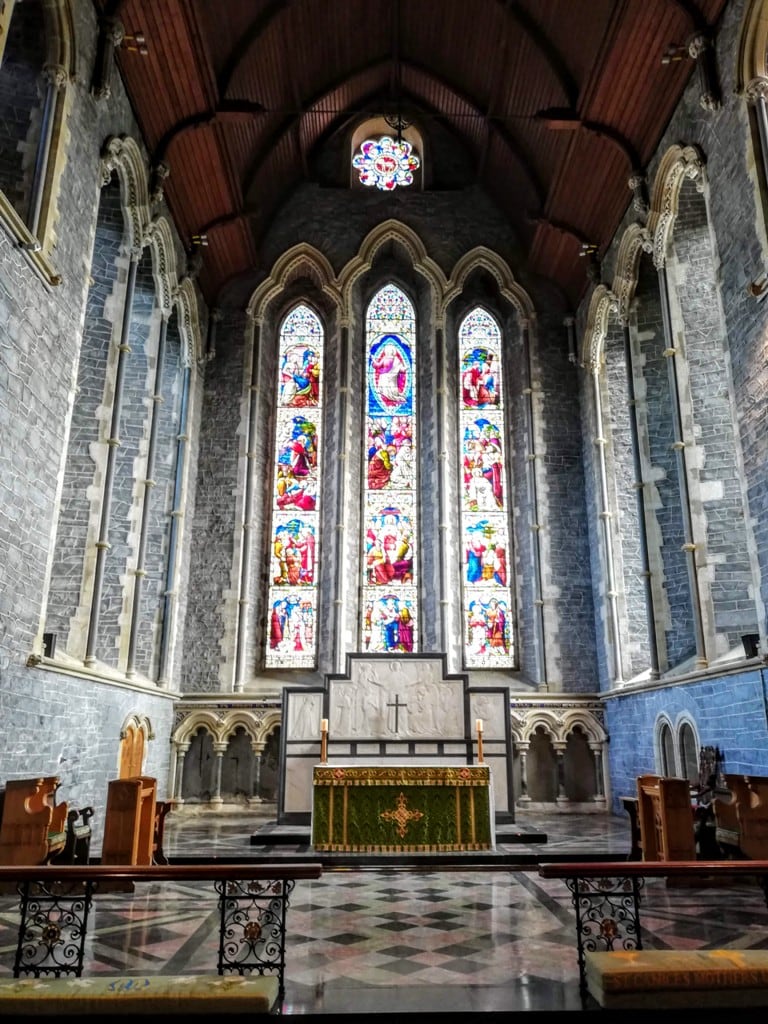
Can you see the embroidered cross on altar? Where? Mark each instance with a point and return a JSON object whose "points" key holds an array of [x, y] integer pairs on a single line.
{"points": [[397, 705], [401, 815]]}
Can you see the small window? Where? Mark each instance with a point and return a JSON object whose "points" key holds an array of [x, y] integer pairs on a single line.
{"points": [[667, 751], [689, 756]]}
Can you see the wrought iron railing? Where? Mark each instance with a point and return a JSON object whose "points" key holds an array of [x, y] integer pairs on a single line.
{"points": [[56, 903], [606, 896]]}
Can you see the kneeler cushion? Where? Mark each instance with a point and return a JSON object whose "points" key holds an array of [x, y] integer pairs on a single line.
{"points": [[109, 996], [672, 978]]}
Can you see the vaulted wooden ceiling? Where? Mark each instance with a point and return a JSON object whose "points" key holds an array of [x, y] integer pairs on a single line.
{"points": [[557, 102]]}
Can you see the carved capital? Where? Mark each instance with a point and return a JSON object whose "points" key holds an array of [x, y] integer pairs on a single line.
{"points": [[55, 75], [756, 89]]}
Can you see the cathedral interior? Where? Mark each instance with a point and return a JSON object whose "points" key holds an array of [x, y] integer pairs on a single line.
{"points": [[376, 330]]}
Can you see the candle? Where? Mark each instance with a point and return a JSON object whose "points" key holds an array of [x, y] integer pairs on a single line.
{"points": [[323, 725], [479, 725]]}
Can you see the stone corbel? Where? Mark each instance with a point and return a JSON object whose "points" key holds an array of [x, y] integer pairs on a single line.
{"points": [[637, 183], [701, 49], [159, 173], [111, 35]]}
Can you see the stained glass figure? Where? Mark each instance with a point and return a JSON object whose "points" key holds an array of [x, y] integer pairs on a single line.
{"points": [[292, 596], [390, 542], [385, 163], [488, 632]]}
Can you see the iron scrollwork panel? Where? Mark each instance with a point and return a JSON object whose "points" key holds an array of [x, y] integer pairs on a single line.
{"points": [[52, 930], [252, 926], [607, 916]]}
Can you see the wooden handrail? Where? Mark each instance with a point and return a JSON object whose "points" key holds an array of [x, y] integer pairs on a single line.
{"points": [[55, 904], [158, 872], [653, 868]]}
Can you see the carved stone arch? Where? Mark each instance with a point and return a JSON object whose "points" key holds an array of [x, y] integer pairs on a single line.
{"points": [[586, 722], [192, 723], [752, 56], [121, 154], [677, 164], [267, 726], [542, 720], [60, 36], [395, 231], [160, 241], [635, 241], [240, 718], [300, 260], [188, 312], [483, 258], [603, 306]]}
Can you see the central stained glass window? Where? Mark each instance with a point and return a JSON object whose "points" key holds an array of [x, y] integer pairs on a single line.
{"points": [[385, 163], [390, 562]]}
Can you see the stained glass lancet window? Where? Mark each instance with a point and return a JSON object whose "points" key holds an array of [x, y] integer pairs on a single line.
{"points": [[389, 602], [292, 601], [488, 634]]}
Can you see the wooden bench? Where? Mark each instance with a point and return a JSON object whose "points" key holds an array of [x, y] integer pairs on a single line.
{"points": [[615, 971], [55, 904]]}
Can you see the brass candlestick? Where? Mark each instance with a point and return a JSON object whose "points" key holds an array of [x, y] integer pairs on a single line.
{"points": [[479, 725], [324, 741]]}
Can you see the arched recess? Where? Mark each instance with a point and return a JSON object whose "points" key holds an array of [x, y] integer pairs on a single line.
{"points": [[141, 329], [134, 737], [752, 84], [722, 574], [219, 757], [664, 747], [688, 746], [623, 585], [37, 117]]}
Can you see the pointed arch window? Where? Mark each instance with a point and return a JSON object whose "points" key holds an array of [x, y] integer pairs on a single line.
{"points": [[292, 602], [390, 526], [487, 592]]}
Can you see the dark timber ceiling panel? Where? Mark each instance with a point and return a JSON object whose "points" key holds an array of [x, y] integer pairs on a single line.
{"points": [[237, 96]]}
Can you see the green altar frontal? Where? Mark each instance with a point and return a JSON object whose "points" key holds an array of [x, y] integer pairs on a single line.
{"points": [[381, 809]]}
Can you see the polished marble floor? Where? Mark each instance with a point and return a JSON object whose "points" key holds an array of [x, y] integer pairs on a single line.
{"points": [[457, 939]]}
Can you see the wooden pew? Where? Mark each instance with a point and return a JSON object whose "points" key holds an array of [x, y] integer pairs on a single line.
{"points": [[741, 817], [666, 818], [34, 827]]}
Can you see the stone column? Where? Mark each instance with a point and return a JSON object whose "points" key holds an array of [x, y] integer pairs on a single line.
{"points": [[219, 749], [597, 753], [177, 791], [559, 749], [255, 780], [524, 798]]}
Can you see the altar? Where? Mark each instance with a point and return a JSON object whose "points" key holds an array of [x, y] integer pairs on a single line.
{"points": [[427, 808]]}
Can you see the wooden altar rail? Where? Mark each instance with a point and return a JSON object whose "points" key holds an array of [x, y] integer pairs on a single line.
{"points": [[606, 896], [55, 903]]}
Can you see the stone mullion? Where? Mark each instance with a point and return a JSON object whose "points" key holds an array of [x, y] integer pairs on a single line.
{"points": [[149, 483], [249, 470], [170, 596], [641, 498], [342, 483], [113, 443], [690, 547]]}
